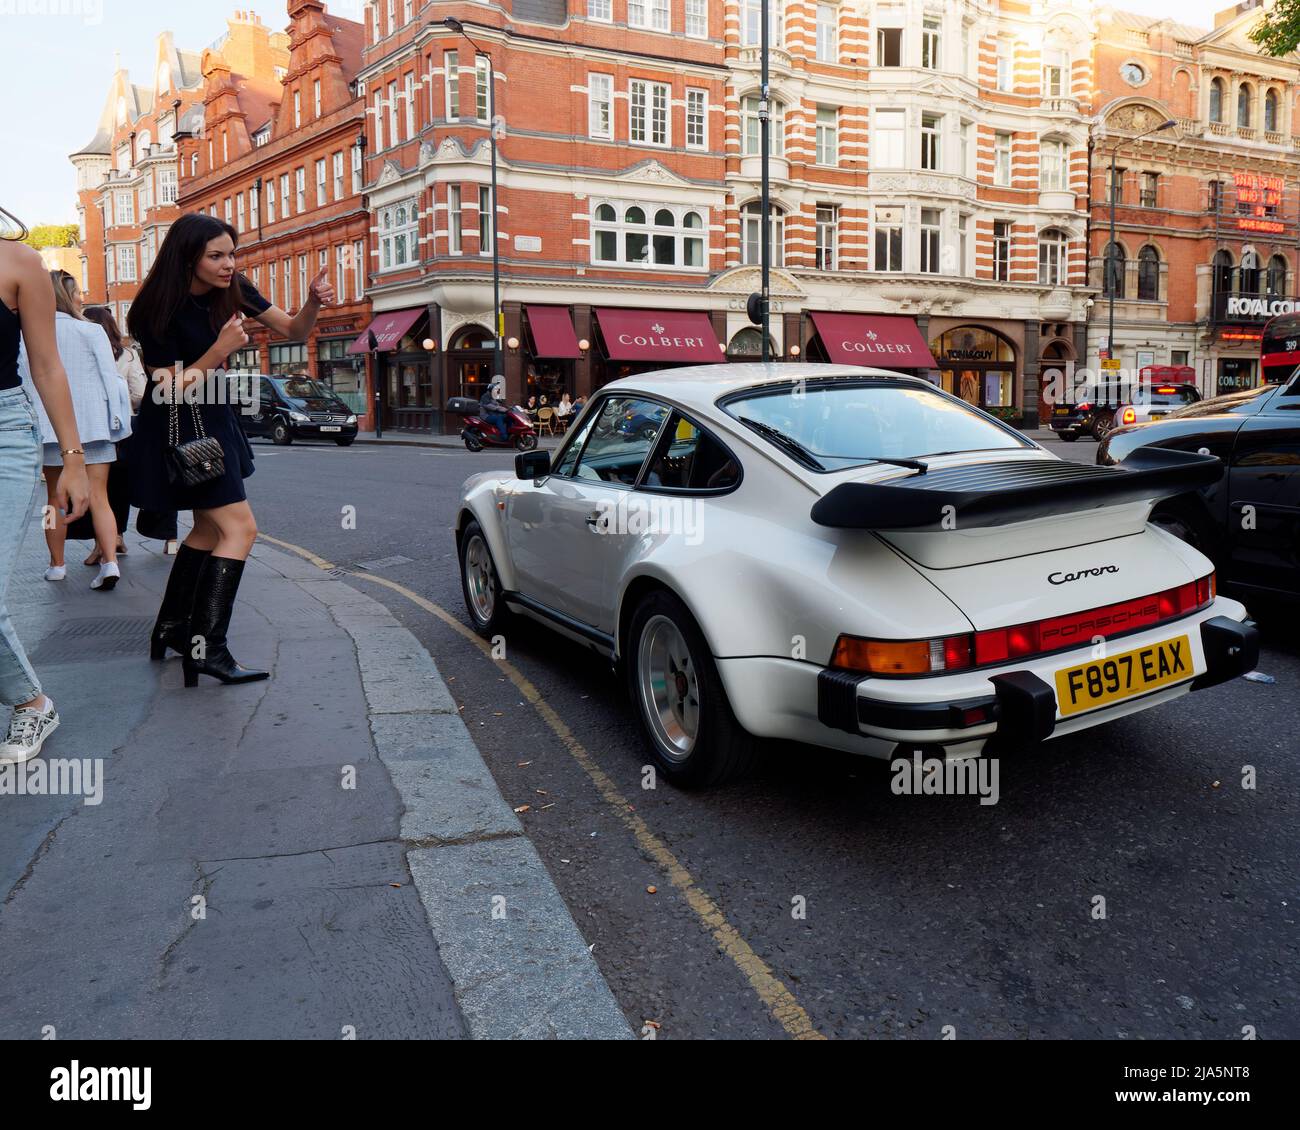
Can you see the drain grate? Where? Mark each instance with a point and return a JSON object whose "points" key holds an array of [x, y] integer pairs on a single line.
{"points": [[101, 637]]}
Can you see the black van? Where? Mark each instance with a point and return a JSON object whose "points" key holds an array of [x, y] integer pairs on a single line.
{"points": [[296, 407]]}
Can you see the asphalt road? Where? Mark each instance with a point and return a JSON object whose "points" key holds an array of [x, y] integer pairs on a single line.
{"points": [[920, 912]]}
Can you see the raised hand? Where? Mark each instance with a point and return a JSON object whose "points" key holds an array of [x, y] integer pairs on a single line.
{"points": [[321, 289]]}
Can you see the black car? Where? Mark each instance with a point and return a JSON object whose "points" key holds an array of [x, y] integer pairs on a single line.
{"points": [[1248, 523], [292, 407]]}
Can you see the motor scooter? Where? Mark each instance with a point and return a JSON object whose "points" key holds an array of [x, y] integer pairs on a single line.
{"points": [[477, 433]]}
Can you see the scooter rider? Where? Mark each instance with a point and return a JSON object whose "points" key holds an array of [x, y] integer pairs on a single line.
{"points": [[493, 409]]}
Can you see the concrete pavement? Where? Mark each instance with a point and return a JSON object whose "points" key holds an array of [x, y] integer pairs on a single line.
{"points": [[323, 854]]}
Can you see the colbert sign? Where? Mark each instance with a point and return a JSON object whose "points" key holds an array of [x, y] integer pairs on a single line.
{"points": [[851, 339], [658, 338]]}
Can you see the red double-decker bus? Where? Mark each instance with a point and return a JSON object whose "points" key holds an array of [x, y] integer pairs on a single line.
{"points": [[1279, 348]]}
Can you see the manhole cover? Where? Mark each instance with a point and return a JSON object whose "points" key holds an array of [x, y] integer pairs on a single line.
{"points": [[102, 637]]}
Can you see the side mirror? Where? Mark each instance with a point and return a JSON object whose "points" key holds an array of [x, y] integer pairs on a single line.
{"points": [[532, 464]]}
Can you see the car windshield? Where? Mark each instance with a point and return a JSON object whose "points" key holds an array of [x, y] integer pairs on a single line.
{"points": [[830, 426], [301, 388], [1245, 401]]}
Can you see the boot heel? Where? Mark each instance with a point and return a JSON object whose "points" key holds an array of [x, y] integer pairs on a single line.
{"points": [[157, 650], [191, 678]]}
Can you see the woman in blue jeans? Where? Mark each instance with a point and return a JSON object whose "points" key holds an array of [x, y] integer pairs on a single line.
{"points": [[27, 305]]}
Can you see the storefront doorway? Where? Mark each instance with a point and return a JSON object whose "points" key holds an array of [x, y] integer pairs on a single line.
{"points": [[1235, 373], [979, 365]]}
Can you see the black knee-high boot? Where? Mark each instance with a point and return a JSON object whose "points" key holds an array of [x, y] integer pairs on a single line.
{"points": [[210, 620], [172, 627]]}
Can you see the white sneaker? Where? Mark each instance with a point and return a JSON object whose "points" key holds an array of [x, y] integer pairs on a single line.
{"points": [[109, 575], [28, 729], [56, 572]]}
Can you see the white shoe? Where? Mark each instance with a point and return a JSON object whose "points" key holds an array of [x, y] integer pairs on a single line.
{"points": [[28, 729], [56, 572], [109, 575]]}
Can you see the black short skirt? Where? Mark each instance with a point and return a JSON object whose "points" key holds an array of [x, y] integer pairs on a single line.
{"points": [[151, 489]]}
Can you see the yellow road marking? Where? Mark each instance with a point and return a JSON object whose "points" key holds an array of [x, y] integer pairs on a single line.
{"points": [[780, 1002]]}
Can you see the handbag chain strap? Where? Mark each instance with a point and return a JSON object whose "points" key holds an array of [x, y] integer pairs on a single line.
{"points": [[174, 422]]}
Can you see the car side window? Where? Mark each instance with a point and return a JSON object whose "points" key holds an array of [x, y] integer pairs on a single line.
{"points": [[692, 459], [624, 432], [569, 459], [268, 393]]}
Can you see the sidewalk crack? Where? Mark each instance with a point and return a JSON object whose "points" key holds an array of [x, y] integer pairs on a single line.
{"points": [[205, 880], [37, 855]]}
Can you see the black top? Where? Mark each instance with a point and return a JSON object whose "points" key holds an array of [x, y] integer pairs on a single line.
{"points": [[192, 333], [8, 348]]}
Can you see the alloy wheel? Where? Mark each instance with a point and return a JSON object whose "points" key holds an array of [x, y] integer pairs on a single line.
{"points": [[670, 689]]}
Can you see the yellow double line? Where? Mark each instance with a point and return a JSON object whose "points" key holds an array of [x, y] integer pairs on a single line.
{"points": [[780, 1002]]}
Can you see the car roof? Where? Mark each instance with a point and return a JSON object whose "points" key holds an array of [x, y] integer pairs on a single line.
{"points": [[700, 386]]}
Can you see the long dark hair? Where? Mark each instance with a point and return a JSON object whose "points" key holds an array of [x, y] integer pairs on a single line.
{"points": [[168, 283], [103, 316]]}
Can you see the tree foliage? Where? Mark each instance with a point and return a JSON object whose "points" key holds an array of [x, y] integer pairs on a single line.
{"points": [[1278, 33], [53, 235]]}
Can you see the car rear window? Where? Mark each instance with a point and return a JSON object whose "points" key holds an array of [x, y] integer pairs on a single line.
{"points": [[692, 459], [848, 423]]}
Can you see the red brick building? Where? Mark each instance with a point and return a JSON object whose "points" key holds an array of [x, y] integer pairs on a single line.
{"points": [[611, 193], [278, 157], [128, 175], [1206, 211]]}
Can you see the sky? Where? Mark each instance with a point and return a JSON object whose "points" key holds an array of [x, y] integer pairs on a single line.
{"points": [[57, 59]]}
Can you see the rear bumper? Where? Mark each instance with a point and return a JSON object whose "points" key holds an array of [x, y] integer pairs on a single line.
{"points": [[1022, 709], [1013, 707]]}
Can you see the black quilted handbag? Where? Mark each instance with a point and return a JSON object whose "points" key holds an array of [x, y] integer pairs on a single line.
{"points": [[198, 460]]}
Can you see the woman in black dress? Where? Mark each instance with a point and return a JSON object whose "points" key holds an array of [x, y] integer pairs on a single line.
{"points": [[188, 316]]}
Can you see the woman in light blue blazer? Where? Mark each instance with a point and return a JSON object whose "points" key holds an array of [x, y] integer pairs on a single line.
{"points": [[102, 402]]}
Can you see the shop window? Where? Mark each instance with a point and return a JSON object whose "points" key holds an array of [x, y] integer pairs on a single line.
{"points": [[290, 358]]}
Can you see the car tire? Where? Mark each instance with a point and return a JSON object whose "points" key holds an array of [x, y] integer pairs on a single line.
{"points": [[1102, 426], [346, 442], [664, 639], [480, 583], [526, 442], [280, 434], [1068, 437]]}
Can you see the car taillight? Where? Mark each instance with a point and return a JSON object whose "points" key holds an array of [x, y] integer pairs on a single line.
{"points": [[1083, 406], [1003, 645], [901, 657], [1128, 416]]}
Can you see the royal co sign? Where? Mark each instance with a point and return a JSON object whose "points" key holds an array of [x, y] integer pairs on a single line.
{"points": [[1239, 307]]}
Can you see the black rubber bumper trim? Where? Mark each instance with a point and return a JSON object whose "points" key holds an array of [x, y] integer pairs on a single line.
{"points": [[1231, 648], [1028, 709], [839, 706]]}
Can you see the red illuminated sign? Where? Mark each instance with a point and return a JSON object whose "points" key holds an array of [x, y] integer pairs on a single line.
{"points": [[1228, 335], [1258, 199]]}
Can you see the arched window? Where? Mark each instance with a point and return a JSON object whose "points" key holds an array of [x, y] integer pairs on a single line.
{"points": [[1148, 274], [1245, 96], [1216, 100], [1052, 244], [1222, 277], [1114, 264], [1249, 283], [1277, 277], [674, 239], [1270, 110], [751, 233]]}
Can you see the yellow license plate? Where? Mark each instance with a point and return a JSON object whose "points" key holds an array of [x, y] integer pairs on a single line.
{"points": [[1103, 681]]}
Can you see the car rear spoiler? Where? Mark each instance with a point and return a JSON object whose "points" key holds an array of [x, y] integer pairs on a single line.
{"points": [[1000, 493]]}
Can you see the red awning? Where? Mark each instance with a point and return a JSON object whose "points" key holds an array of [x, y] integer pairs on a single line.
{"points": [[658, 335], [388, 329], [887, 341], [552, 330]]}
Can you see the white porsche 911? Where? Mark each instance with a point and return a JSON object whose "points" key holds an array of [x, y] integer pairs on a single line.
{"points": [[849, 558]]}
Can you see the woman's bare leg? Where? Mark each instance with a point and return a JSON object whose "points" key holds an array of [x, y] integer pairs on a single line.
{"points": [[101, 513], [236, 530], [205, 534], [56, 534]]}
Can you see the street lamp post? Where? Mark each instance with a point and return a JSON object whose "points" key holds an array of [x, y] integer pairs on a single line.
{"points": [[1106, 274], [498, 373], [764, 126]]}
